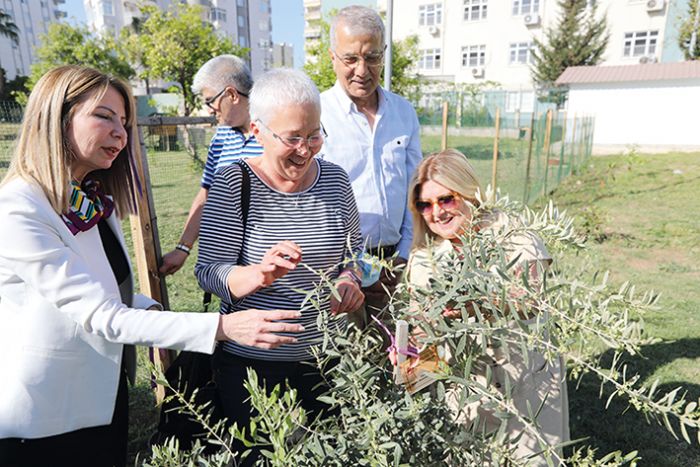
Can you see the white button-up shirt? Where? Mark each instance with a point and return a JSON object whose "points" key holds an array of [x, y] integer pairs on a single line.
{"points": [[380, 161]]}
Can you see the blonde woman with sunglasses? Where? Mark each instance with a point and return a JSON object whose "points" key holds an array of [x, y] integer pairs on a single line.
{"points": [[444, 198]]}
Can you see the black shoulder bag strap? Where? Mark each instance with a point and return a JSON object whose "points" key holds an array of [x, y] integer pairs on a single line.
{"points": [[245, 205]]}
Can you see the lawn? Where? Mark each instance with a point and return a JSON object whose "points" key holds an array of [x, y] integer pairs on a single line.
{"points": [[643, 216]]}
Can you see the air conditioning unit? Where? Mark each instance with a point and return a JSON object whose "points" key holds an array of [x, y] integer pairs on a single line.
{"points": [[532, 19], [478, 72], [655, 5], [434, 30], [647, 59]]}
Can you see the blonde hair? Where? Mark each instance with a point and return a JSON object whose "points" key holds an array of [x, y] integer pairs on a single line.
{"points": [[43, 154], [451, 169]]}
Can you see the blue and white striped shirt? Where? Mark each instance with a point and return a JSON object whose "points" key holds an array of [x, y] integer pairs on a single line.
{"points": [[227, 146], [322, 220]]}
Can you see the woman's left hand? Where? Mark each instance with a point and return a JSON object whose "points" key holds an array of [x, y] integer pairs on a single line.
{"points": [[351, 297]]}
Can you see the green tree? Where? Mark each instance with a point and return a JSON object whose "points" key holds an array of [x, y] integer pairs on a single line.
{"points": [[174, 44], [578, 38], [689, 28], [64, 44], [319, 67], [8, 29]]}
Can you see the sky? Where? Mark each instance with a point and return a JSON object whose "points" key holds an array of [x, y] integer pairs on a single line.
{"points": [[287, 23]]}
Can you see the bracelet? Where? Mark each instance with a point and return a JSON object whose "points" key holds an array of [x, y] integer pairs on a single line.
{"points": [[183, 247]]}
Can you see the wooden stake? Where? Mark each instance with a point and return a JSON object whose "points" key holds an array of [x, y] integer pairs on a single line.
{"points": [[545, 149], [526, 194], [443, 144], [144, 232], [494, 164]]}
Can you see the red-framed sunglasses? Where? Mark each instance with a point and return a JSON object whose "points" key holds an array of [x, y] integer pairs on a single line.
{"points": [[424, 206]]}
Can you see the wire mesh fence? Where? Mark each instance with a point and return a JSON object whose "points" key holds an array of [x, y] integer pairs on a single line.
{"points": [[535, 152]]}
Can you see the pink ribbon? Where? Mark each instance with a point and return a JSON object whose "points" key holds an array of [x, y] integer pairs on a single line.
{"points": [[410, 351]]}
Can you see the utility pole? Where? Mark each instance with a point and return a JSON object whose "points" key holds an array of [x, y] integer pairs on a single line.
{"points": [[389, 51]]}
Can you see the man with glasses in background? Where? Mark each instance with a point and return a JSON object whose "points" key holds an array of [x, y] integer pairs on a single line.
{"points": [[375, 136], [224, 83]]}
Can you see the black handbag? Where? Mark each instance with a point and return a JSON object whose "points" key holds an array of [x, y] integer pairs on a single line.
{"points": [[192, 371]]}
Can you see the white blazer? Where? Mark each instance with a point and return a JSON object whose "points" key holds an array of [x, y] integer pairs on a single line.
{"points": [[63, 324]]}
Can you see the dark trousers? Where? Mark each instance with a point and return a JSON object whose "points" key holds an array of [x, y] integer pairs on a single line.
{"points": [[100, 446], [230, 372]]}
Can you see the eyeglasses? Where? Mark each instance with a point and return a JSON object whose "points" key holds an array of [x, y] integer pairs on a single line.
{"points": [[295, 142], [444, 202], [372, 59], [210, 101]]}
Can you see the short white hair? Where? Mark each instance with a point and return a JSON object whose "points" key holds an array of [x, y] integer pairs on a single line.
{"points": [[281, 87], [223, 71], [359, 20]]}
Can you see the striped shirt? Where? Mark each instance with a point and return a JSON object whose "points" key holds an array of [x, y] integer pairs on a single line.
{"points": [[322, 220], [227, 145]]}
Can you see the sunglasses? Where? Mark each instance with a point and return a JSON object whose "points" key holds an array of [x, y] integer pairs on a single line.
{"points": [[444, 202]]}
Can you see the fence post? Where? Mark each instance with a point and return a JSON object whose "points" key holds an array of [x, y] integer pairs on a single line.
{"points": [[526, 194], [494, 165], [458, 109], [573, 145], [545, 149], [443, 143], [562, 152], [144, 231]]}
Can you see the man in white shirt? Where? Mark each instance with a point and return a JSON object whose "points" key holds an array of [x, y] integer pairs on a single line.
{"points": [[373, 134]]}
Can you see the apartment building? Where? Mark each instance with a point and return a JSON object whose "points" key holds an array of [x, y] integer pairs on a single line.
{"points": [[247, 22], [471, 41], [32, 18]]}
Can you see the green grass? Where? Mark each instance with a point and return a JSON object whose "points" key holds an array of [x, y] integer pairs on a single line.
{"points": [[644, 223]]}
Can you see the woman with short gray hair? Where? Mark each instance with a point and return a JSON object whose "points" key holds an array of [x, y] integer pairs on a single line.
{"points": [[299, 208]]}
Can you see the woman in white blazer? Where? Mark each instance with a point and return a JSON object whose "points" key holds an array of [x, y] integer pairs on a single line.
{"points": [[66, 301]]}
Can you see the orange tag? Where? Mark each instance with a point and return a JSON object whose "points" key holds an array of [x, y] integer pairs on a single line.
{"points": [[418, 373]]}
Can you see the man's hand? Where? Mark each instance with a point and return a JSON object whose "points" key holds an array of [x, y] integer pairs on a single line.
{"points": [[351, 297], [172, 262], [258, 328]]}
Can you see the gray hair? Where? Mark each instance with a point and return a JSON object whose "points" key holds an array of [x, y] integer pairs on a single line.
{"points": [[281, 87], [222, 71], [359, 20]]}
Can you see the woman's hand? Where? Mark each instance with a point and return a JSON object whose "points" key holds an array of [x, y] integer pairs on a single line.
{"points": [[351, 297], [258, 328], [278, 261]]}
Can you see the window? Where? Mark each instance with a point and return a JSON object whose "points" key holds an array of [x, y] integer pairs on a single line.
{"points": [[473, 55], [520, 53], [217, 14], [526, 7], [262, 25], [107, 8], [474, 10], [242, 41], [241, 3], [430, 15], [241, 21], [430, 59], [638, 44]]}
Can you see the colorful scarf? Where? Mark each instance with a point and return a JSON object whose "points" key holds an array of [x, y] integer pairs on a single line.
{"points": [[88, 205]]}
